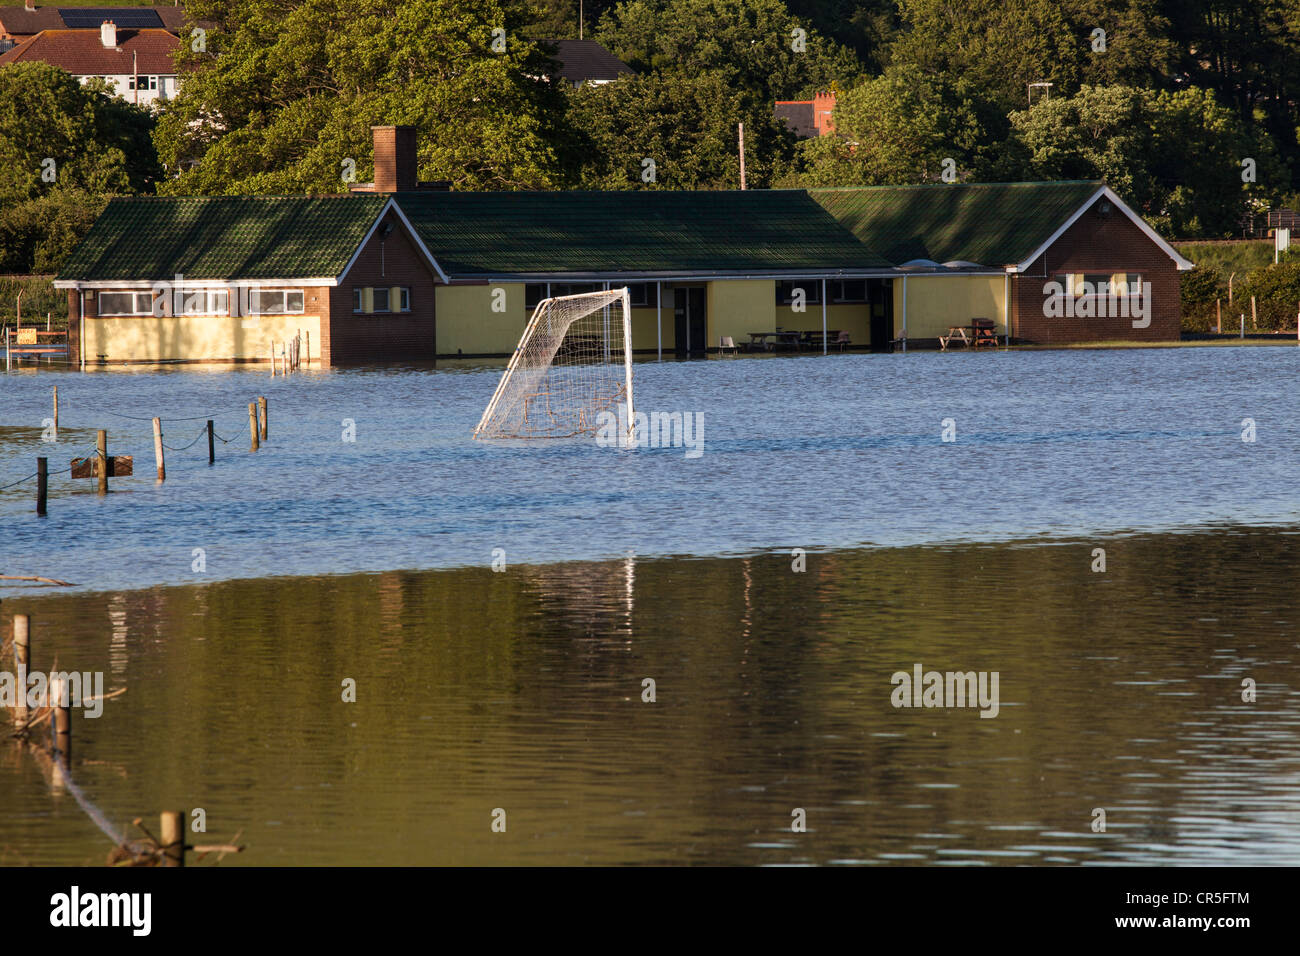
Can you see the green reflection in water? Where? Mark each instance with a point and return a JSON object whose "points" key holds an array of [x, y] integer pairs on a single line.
{"points": [[523, 690]]}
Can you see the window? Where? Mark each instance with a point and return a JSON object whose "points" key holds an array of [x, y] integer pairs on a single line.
{"points": [[642, 294], [812, 291], [534, 292], [275, 301], [146, 82], [848, 290], [204, 302], [126, 303], [370, 299], [1077, 284]]}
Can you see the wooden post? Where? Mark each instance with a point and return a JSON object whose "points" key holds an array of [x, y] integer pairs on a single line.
{"points": [[308, 346], [22, 660], [284, 356], [42, 483], [1243, 325], [272, 359], [172, 834], [252, 424], [61, 720], [56, 409], [101, 460], [1218, 316], [158, 449], [212, 449], [1254, 319], [261, 415]]}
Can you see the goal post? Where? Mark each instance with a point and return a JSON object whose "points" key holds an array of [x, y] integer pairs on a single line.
{"points": [[572, 366]]}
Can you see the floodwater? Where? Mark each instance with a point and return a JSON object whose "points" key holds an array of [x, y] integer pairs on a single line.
{"points": [[324, 560]]}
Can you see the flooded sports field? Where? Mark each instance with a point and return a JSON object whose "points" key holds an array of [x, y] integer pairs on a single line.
{"points": [[668, 654]]}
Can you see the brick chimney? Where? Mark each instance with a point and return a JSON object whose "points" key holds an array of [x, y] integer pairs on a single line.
{"points": [[823, 106], [108, 34], [395, 163], [30, 6]]}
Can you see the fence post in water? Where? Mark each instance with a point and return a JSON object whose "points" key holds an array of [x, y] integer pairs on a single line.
{"points": [[1243, 325], [158, 449], [42, 483], [1254, 318], [101, 460], [212, 450], [61, 718], [272, 359], [261, 415], [56, 409], [252, 424], [172, 834], [22, 660], [1218, 316], [307, 342]]}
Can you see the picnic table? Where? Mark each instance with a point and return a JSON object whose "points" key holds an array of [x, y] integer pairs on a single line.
{"points": [[758, 341], [978, 332]]}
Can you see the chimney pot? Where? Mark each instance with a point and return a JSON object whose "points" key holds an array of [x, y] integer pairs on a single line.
{"points": [[30, 5], [108, 34], [395, 161]]}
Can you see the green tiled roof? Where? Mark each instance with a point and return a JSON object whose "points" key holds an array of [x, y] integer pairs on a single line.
{"points": [[647, 231], [993, 224], [224, 237]]}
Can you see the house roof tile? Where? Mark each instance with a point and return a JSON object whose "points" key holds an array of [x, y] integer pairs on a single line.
{"points": [[81, 53]]}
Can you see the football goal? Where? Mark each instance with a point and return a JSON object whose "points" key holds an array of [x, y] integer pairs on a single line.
{"points": [[573, 362]]}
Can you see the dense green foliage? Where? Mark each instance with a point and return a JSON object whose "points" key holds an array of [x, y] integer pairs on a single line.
{"points": [[1164, 99], [64, 148]]}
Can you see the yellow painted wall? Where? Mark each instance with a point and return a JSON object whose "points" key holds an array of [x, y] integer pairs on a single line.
{"points": [[852, 318], [466, 322], [737, 307], [934, 303], [194, 337], [643, 327]]}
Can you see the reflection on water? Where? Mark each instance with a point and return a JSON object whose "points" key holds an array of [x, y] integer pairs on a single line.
{"points": [[523, 690]]}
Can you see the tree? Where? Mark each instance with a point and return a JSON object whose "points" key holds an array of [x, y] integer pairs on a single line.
{"points": [[284, 95], [57, 134], [1176, 157], [685, 125], [754, 44], [64, 148], [900, 127], [1001, 46]]}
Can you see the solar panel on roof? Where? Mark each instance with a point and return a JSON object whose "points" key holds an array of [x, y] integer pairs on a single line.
{"points": [[127, 18]]}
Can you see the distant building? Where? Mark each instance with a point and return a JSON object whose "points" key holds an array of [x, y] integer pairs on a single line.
{"points": [[586, 61], [1262, 225], [139, 64], [808, 118], [20, 23]]}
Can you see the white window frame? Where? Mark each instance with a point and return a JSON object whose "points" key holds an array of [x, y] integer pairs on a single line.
{"points": [[145, 295], [255, 295]]}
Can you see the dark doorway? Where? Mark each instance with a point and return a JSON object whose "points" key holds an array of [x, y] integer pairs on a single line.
{"points": [[690, 324], [880, 293]]}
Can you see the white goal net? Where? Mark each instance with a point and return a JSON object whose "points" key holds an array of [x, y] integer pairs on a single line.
{"points": [[573, 362]]}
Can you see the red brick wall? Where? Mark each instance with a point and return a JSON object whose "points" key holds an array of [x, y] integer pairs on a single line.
{"points": [[1101, 244], [378, 337]]}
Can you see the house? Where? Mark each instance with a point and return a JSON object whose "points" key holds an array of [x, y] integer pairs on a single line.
{"points": [[808, 118], [19, 23], [586, 61], [408, 273], [137, 63], [1050, 262]]}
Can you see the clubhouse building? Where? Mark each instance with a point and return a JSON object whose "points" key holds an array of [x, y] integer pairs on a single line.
{"points": [[398, 271]]}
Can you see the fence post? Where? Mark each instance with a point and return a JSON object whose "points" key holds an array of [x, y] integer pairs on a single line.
{"points": [[212, 450], [272, 358], [22, 661], [252, 424], [1254, 319], [261, 415], [101, 460], [42, 483], [61, 719], [158, 449], [172, 832], [1218, 316], [56, 409]]}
